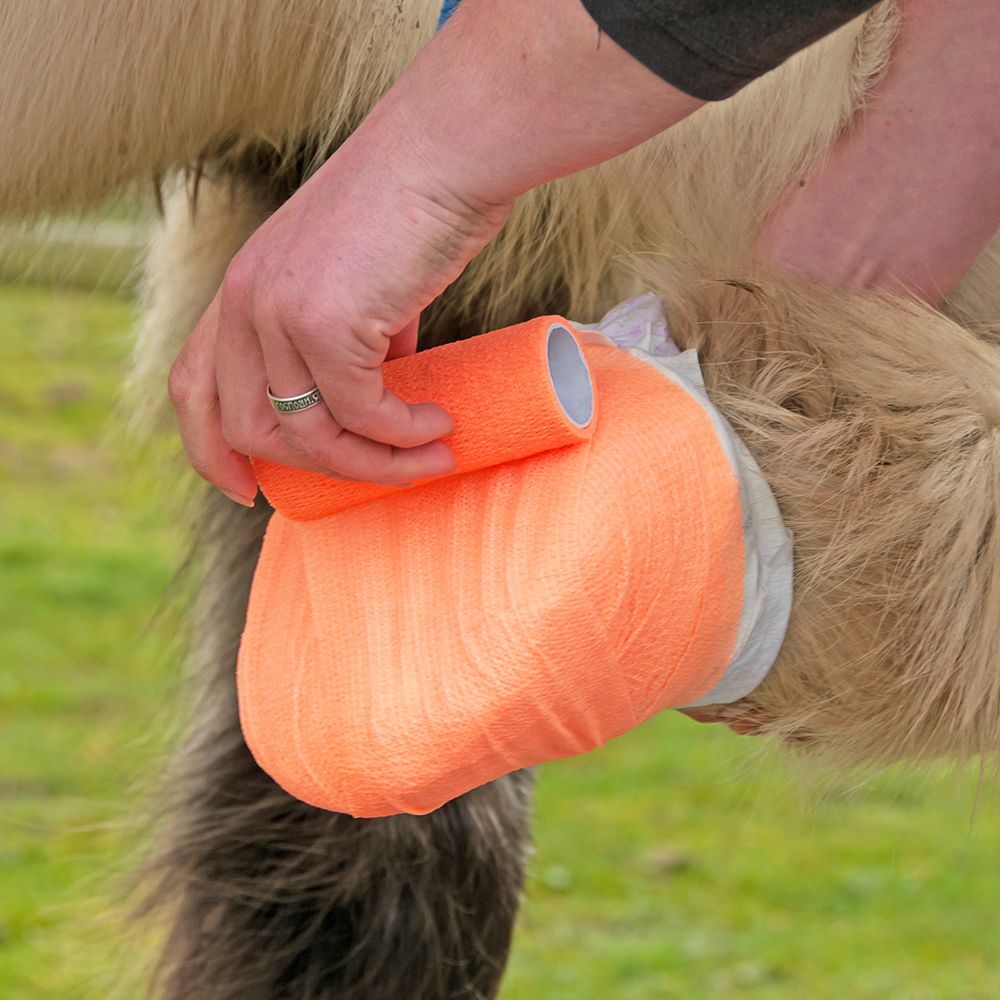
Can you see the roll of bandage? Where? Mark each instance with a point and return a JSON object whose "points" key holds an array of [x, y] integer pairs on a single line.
{"points": [[404, 650], [511, 393]]}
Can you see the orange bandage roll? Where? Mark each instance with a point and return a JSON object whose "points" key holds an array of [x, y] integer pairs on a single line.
{"points": [[511, 393], [401, 652]]}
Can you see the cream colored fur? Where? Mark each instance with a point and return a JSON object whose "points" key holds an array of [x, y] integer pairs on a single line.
{"points": [[874, 421], [850, 404], [97, 93], [877, 424], [184, 269]]}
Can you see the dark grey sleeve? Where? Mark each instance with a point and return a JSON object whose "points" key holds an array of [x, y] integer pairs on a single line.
{"points": [[712, 48]]}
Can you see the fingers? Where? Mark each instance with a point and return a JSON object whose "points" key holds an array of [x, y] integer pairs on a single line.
{"points": [[193, 392], [360, 431], [313, 436], [404, 343], [247, 359], [345, 365]]}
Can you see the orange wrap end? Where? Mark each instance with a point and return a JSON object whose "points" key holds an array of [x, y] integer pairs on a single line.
{"points": [[512, 393], [404, 651]]}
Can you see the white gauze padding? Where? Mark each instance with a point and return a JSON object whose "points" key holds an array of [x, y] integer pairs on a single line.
{"points": [[639, 326]]}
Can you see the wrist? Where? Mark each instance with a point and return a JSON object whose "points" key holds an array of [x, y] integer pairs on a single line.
{"points": [[416, 190]]}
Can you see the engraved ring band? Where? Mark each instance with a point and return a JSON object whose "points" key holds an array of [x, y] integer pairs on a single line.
{"points": [[293, 404]]}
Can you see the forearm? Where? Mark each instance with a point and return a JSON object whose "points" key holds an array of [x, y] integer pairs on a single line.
{"points": [[911, 193], [514, 93]]}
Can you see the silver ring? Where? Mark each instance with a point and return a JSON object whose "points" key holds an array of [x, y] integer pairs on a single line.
{"points": [[293, 404]]}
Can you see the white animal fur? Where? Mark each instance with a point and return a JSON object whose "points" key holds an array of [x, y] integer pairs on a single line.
{"points": [[875, 422], [92, 102]]}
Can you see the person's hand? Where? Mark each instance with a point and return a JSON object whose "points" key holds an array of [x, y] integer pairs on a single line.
{"points": [[508, 95], [325, 291], [910, 194]]}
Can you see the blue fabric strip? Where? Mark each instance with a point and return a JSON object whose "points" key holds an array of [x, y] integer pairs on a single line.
{"points": [[446, 11]]}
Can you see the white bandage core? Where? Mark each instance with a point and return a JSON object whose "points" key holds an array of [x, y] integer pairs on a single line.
{"points": [[570, 375]]}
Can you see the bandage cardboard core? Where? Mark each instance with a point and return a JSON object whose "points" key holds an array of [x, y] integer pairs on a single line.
{"points": [[401, 651], [569, 376]]}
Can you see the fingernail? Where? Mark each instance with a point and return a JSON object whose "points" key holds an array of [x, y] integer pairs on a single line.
{"points": [[238, 498]]}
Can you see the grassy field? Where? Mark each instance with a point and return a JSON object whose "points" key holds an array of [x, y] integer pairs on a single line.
{"points": [[677, 862]]}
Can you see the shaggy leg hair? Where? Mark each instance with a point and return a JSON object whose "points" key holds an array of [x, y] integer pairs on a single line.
{"points": [[269, 897], [848, 402], [274, 898]]}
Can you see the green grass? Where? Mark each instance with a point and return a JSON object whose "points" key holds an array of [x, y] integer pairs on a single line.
{"points": [[670, 866], [676, 862], [84, 560]]}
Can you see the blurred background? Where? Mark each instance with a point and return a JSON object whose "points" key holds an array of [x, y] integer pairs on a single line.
{"points": [[679, 861]]}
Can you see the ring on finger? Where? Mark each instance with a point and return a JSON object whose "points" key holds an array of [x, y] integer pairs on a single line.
{"points": [[294, 404]]}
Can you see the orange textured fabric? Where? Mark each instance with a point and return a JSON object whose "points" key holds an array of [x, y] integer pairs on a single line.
{"points": [[499, 390], [402, 652]]}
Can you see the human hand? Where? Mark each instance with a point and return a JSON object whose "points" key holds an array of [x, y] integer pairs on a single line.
{"points": [[509, 95], [328, 288]]}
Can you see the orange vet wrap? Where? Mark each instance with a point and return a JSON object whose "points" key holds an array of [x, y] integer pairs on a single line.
{"points": [[402, 651], [499, 390]]}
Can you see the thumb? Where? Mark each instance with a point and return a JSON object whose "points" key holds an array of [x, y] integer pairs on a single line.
{"points": [[405, 342]]}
